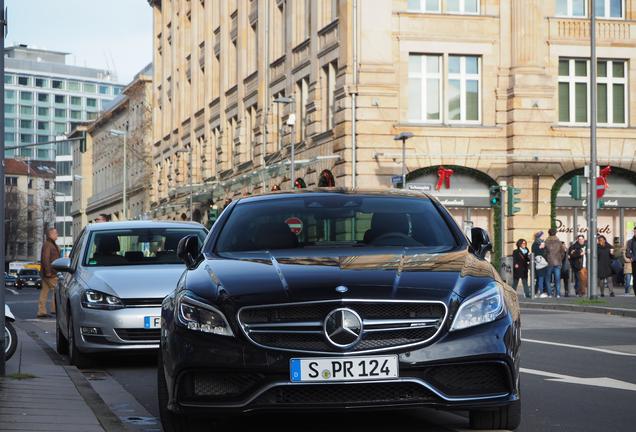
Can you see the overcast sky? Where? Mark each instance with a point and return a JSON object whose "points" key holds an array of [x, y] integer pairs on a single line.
{"points": [[112, 34]]}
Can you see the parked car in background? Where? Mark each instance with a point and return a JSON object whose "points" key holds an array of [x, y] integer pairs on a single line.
{"points": [[27, 277], [9, 280], [115, 279], [338, 300]]}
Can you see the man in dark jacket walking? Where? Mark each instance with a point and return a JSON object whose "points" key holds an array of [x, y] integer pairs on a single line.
{"points": [[630, 254], [50, 252], [555, 252], [605, 255], [576, 254]]}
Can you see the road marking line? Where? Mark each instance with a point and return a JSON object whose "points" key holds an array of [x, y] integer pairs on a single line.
{"points": [[596, 382], [602, 350], [12, 291]]}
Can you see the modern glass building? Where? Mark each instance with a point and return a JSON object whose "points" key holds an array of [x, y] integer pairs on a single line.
{"points": [[45, 98]]}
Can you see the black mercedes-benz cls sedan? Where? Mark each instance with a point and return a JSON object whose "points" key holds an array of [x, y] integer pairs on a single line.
{"points": [[335, 299]]}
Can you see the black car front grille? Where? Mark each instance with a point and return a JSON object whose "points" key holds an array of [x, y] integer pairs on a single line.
{"points": [[468, 379], [142, 302], [348, 394], [300, 326], [135, 334]]}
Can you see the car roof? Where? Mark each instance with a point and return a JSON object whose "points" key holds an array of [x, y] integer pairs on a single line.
{"points": [[107, 226], [337, 191]]}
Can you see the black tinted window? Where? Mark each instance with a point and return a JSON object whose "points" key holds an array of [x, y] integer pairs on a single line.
{"points": [[335, 221]]}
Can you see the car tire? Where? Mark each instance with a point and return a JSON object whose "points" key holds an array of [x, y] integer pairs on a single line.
{"points": [[171, 421], [75, 356], [9, 349], [507, 418], [61, 343]]}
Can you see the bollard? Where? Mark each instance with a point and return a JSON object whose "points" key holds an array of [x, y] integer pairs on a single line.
{"points": [[532, 272]]}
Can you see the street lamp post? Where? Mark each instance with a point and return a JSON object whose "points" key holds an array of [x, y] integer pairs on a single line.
{"points": [[124, 133], [403, 136], [3, 26], [592, 201], [291, 121], [63, 221], [191, 185]]}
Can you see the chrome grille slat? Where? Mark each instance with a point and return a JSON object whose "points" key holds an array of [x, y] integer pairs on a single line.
{"points": [[387, 324]]}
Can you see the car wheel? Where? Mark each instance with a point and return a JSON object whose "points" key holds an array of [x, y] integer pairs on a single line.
{"points": [[10, 340], [61, 343], [75, 356], [171, 421], [508, 417]]}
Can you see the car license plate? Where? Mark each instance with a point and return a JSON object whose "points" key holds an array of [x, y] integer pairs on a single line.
{"points": [[344, 369], [152, 322], [30, 283]]}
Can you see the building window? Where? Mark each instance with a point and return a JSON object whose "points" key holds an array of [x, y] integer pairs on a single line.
{"points": [[462, 6], [463, 89], [76, 101], [329, 90], [91, 115], [60, 113], [43, 126], [252, 48], [8, 79], [117, 91], [26, 139], [26, 110], [9, 137], [609, 8], [9, 109], [74, 86], [76, 115], [9, 123], [302, 98], [26, 124], [91, 102], [232, 64], [9, 94], [47, 184], [43, 97], [59, 128], [425, 88], [11, 181], [574, 95], [41, 82], [329, 11], [57, 84], [279, 37], [30, 197], [23, 81], [43, 111], [60, 99], [430, 6], [43, 139], [30, 185], [90, 88], [104, 89], [26, 96]]}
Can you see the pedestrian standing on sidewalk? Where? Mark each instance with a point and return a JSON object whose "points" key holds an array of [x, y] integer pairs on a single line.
{"points": [[576, 253], [617, 263], [540, 264], [627, 270], [50, 252], [605, 256], [565, 272], [555, 252], [630, 254], [521, 264]]}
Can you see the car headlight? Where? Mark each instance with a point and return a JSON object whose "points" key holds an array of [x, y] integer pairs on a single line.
{"points": [[485, 306], [199, 316], [93, 299]]}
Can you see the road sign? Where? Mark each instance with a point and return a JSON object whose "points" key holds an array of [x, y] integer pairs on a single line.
{"points": [[396, 180], [420, 187], [295, 225], [600, 187]]}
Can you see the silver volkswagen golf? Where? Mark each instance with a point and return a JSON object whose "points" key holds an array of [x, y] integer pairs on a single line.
{"points": [[111, 286]]}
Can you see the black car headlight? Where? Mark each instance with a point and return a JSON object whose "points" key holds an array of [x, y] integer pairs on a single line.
{"points": [[93, 299], [199, 316], [483, 307]]}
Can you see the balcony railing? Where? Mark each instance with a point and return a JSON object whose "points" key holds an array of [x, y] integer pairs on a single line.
{"points": [[578, 29]]}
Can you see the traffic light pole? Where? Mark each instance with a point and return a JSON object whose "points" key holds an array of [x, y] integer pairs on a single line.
{"points": [[3, 26], [502, 227], [592, 264]]}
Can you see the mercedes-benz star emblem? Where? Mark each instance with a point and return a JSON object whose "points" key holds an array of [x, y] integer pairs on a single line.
{"points": [[343, 328]]}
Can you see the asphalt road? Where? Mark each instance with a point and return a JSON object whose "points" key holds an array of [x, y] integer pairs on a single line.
{"points": [[578, 374]]}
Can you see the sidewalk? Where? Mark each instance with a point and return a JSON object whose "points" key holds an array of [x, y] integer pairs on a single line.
{"points": [[53, 400], [619, 305]]}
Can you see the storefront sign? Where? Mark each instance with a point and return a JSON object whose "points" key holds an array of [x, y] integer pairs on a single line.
{"points": [[563, 229], [609, 201]]}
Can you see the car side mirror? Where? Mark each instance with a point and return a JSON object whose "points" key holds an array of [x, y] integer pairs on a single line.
{"points": [[62, 265], [188, 250], [480, 242]]}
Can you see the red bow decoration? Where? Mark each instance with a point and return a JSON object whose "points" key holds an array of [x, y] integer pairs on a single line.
{"points": [[605, 172], [444, 176]]}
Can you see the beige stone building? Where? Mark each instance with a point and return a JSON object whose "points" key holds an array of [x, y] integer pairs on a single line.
{"points": [[99, 167], [495, 90]]}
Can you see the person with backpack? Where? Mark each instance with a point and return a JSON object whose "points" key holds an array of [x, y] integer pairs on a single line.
{"points": [[521, 264], [555, 253], [576, 254], [540, 264]]}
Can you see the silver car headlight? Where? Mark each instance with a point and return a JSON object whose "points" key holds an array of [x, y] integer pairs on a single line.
{"points": [[485, 306], [199, 316], [93, 299]]}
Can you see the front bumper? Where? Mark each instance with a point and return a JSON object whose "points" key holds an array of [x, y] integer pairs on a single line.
{"points": [[119, 330], [468, 369]]}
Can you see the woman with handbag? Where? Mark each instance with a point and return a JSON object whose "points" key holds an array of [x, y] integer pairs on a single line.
{"points": [[605, 256], [521, 264], [540, 265]]}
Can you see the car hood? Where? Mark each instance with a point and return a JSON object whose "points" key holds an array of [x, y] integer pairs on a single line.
{"points": [[138, 281], [260, 278]]}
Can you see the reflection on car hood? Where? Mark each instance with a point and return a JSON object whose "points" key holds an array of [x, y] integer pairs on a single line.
{"points": [[251, 278], [156, 281]]}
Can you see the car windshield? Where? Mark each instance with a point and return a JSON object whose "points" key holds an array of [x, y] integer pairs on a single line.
{"points": [[141, 246], [28, 272], [335, 220]]}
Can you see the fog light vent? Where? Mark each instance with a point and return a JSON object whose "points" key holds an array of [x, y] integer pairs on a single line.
{"points": [[91, 331]]}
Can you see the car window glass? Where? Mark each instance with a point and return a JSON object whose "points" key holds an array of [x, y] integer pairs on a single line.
{"points": [[139, 246], [335, 221]]}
